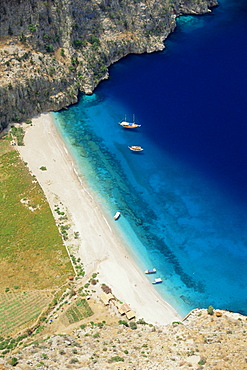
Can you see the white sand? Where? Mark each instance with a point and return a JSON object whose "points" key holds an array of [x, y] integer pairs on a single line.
{"points": [[99, 248]]}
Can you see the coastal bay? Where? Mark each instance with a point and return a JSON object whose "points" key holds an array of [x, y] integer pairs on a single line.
{"points": [[99, 247], [184, 196]]}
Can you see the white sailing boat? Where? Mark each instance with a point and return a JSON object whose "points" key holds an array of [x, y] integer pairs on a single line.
{"points": [[126, 124]]}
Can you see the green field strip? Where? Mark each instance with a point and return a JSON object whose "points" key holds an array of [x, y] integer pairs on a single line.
{"points": [[15, 311]]}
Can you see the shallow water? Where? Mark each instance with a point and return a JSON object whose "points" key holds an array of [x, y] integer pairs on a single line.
{"points": [[183, 200]]}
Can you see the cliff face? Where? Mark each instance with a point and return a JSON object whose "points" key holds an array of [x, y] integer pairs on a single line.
{"points": [[201, 342], [51, 50]]}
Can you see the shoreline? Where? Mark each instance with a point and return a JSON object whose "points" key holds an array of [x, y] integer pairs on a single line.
{"points": [[99, 247]]}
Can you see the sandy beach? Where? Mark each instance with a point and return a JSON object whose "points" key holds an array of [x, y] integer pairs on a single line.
{"points": [[99, 248]]}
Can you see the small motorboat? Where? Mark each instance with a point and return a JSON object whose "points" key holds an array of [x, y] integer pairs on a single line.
{"points": [[117, 215], [150, 271], [136, 148], [157, 281]]}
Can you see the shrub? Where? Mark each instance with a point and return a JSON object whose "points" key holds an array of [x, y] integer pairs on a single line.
{"points": [[16, 119], [14, 361], [175, 323], [22, 38], [116, 359], [39, 329], [142, 322], [49, 48], [123, 322], [77, 43], [32, 27], [210, 310], [43, 168], [133, 325], [202, 361]]}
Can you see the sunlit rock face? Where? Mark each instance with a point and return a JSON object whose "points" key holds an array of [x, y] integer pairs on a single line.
{"points": [[51, 50]]}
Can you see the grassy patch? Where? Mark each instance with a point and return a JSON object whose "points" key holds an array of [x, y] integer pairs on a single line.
{"points": [[32, 254], [79, 311], [16, 309]]}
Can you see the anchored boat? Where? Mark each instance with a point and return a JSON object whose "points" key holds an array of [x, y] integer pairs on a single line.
{"points": [[157, 281], [127, 124], [136, 148], [117, 215], [150, 271]]}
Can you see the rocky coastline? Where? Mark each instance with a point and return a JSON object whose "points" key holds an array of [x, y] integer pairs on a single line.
{"points": [[52, 50]]}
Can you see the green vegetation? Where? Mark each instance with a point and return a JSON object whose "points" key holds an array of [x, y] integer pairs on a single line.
{"points": [[49, 48], [133, 325], [18, 133], [8, 344], [32, 28], [14, 361], [123, 322], [79, 311], [77, 264], [210, 310], [32, 255], [202, 361], [16, 309], [78, 43], [116, 359]]}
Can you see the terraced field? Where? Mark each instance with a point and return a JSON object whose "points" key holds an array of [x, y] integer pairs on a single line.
{"points": [[16, 309], [78, 311]]}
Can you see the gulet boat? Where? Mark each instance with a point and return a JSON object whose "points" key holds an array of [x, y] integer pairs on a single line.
{"points": [[126, 124], [136, 148]]}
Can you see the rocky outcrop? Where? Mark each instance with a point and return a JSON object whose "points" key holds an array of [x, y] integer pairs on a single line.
{"points": [[51, 50], [202, 341]]}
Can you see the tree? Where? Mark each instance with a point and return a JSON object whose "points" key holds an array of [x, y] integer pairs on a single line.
{"points": [[210, 310], [14, 361]]}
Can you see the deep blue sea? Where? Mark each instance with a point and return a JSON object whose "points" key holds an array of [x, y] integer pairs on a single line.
{"points": [[183, 201]]}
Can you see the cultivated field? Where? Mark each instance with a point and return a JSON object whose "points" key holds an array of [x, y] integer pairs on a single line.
{"points": [[32, 254], [16, 309], [78, 311]]}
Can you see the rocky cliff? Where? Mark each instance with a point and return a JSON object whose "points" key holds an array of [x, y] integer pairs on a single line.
{"points": [[50, 50], [200, 342]]}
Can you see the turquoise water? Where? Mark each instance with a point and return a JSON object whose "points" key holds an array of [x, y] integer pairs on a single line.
{"points": [[182, 200]]}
